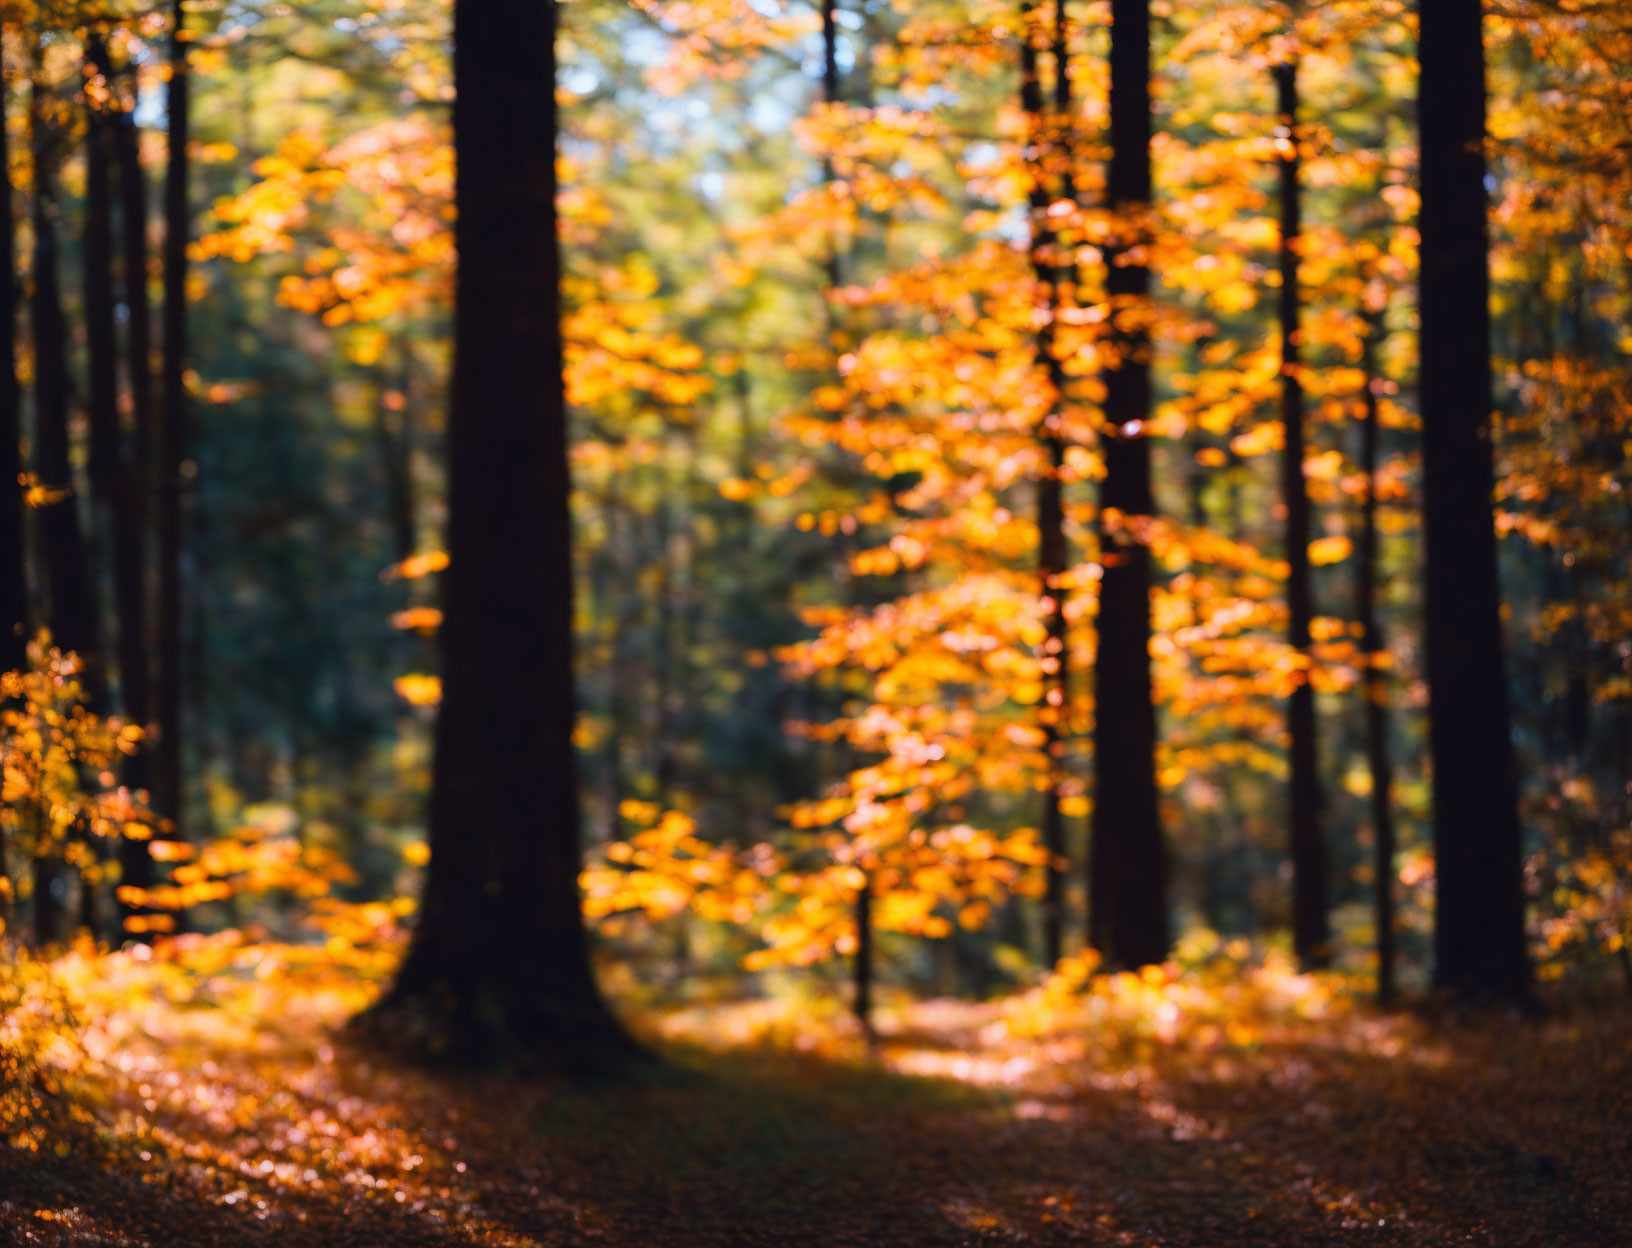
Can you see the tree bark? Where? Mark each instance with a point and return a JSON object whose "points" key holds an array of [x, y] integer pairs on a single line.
{"points": [[1054, 711], [1479, 939], [498, 970], [71, 611], [14, 614], [861, 1002], [1311, 931], [1374, 688], [71, 614], [123, 457], [1127, 865], [168, 787]]}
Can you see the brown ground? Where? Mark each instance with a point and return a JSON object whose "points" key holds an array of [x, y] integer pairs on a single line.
{"points": [[1350, 1129]]}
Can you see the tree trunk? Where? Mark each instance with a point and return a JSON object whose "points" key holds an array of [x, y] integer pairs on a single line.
{"points": [[71, 614], [498, 971], [1311, 933], [1127, 864], [1479, 940], [1053, 715], [863, 1003], [862, 970], [168, 787], [113, 518], [1374, 688], [14, 625], [131, 501]]}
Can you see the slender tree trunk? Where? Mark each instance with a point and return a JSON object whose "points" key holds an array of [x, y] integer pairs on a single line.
{"points": [[1479, 939], [618, 699], [71, 613], [169, 789], [862, 971], [393, 436], [1374, 689], [134, 469], [864, 959], [1054, 711], [97, 255], [666, 659], [830, 95], [14, 623], [109, 511], [498, 970], [1127, 865], [1311, 934]]}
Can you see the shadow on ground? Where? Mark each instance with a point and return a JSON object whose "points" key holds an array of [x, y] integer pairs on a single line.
{"points": [[1446, 1142]]}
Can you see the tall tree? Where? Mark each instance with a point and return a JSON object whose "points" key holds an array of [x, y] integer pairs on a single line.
{"points": [[13, 581], [168, 787], [1479, 942], [119, 468], [13, 575], [861, 1003], [71, 610], [101, 333], [1127, 863], [102, 365], [1374, 687], [498, 970], [1043, 133], [1311, 932]]}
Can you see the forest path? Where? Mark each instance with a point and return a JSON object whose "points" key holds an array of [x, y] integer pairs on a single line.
{"points": [[215, 1130]]}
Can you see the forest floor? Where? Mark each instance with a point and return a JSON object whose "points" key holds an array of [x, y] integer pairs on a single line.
{"points": [[188, 1125]]}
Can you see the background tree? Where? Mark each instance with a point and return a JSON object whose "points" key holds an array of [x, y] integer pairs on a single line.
{"points": [[169, 788], [1310, 930], [14, 613]]}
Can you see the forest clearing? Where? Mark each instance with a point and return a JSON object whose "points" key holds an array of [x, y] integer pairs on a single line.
{"points": [[649, 622]]}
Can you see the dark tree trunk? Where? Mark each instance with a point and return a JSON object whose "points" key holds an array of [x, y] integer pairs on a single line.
{"points": [[830, 51], [863, 1002], [97, 255], [1311, 933], [498, 971], [121, 462], [862, 970], [110, 499], [168, 788], [1479, 939], [1127, 863], [620, 667], [1054, 712], [14, 626], [394, 436], [71, 614], [133, 239], [830, 95], [1374, 688]]}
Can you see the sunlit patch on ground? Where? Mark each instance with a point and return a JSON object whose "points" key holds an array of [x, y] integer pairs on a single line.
{"points": [[162, 1106]]}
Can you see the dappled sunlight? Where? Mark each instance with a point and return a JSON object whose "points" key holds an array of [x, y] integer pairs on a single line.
{"points": [[233, 1101], [817, 623]]}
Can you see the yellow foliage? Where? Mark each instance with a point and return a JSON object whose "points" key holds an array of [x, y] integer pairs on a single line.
{"points": [[60, 762], [419, 689]]}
